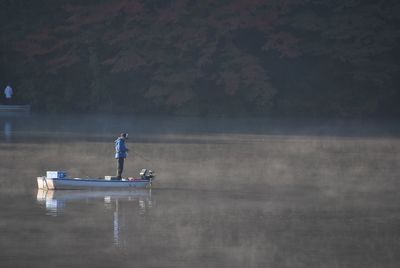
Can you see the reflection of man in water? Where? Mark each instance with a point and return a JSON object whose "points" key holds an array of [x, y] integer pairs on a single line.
{"points": [[8, 92], [120, 153], [7, 130]]}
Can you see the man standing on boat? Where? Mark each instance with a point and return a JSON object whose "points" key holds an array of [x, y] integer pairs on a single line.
{"points": [[121, 152], [8, 92]]}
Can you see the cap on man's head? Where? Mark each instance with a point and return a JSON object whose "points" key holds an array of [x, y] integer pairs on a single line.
{"points": [[124, 135]]}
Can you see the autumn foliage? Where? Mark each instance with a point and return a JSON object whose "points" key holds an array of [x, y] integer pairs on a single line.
{"points": [[234, 57]]}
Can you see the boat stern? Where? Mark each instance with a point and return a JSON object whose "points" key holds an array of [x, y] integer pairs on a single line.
{"points": [[45, 183]]}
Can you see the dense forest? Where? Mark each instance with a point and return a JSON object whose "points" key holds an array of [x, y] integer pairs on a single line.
{"points": [[206, 57]]}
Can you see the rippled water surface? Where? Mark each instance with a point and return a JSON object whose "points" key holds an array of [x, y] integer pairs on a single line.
{"points": [[228, 193]]}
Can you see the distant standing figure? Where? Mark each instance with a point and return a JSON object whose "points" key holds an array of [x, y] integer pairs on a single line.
{"points": [[121, 153], [8, 92]]}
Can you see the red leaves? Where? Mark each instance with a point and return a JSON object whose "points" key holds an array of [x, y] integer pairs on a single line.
{"points": [[41, 44], [125, 62], [184, 37], [93, 14], [121, 37], [189, 30], [197, 44], [62, 61]]}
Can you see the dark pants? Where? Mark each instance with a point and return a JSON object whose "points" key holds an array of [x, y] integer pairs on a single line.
{"points": [[120, 167]]}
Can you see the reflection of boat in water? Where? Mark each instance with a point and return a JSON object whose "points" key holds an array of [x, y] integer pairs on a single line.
{"points": [[58, 180], [8, 108], [56, 203], [65, 196], [7, 130], [53, 206]]}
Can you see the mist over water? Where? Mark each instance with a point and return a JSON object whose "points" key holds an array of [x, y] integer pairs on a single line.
{"points": [[228, 193]]}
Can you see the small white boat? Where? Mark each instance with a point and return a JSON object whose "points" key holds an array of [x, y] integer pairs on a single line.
{"points": [[58, 180]]}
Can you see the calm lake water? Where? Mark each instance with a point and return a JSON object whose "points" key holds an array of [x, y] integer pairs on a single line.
{"points": [[228, 193]]}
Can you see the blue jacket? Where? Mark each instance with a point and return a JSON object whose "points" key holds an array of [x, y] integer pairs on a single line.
{"points": [[120, 148]]}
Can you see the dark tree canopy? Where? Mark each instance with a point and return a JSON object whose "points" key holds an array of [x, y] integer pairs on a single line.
{"points": [[254, 57]]}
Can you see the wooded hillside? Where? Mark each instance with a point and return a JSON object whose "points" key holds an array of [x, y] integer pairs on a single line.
{"points": [[253, 57]]}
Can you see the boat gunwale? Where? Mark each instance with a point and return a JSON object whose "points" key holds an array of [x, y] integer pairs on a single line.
{"points": [[95, 180]]}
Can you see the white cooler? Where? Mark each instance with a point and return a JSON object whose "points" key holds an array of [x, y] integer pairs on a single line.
{"points": [[56, 174]]}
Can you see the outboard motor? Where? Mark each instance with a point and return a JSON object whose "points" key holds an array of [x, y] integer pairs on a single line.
{"points": [[146, 174]]}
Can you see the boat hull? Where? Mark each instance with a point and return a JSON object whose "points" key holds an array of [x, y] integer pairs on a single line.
{"points": [[76, 184]]}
